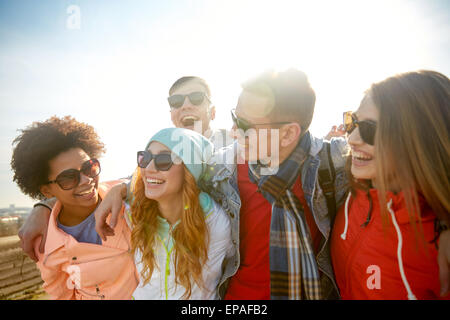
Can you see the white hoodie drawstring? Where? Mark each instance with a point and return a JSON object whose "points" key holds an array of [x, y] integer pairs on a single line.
{"points": [[344, 234], [411, 295]]}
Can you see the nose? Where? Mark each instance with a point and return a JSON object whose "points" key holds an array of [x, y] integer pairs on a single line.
{"points": [[85, 179], [187, 103], [354, 138], [151, 166]]}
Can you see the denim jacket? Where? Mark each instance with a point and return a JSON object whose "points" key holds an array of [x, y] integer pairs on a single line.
{"points": [[220, 182]]}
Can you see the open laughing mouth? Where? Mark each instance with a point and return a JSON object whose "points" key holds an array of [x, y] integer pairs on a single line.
{"points": [[154, 182], [188, 121], [87, 194], [361, 158]]}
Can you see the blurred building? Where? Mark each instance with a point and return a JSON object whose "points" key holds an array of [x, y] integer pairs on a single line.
{"points": [[11, 219]]}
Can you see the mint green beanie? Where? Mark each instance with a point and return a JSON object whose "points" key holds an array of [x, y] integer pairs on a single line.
{"points": [[194, 149]]}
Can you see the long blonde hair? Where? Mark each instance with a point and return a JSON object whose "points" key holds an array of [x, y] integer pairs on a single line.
{"points": [[190, 236], [412, 140]]}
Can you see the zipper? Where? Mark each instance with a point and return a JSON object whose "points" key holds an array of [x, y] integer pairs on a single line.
{"points": [[97, 290], [167, 268], [169, 252]]}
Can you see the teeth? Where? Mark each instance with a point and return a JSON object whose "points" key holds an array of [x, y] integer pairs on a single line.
{"points": [[360, 155], [192, 118], [85, 192], [155, 181]]}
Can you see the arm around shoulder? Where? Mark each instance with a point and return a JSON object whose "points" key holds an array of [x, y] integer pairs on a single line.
{"points": [[36, 226]]}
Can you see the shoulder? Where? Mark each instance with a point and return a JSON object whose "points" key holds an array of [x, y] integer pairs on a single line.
{"points": [[222, 165], [339, 149], [225, 156]]}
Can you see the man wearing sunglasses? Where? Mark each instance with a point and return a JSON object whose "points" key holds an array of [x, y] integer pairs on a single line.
{"points": [[280, 221], [191, 108]]}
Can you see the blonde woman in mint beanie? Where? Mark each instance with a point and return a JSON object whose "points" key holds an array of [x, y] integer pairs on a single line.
{"points": [[180, 236]]}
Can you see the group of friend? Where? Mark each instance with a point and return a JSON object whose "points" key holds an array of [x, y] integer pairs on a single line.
{"points": [[277, 214]]}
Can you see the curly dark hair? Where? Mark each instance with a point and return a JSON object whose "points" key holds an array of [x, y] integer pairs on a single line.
{"points": [[40, 142]]}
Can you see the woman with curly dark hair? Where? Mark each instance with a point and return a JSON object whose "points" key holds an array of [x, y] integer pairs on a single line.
{"points": [[58, 158]]}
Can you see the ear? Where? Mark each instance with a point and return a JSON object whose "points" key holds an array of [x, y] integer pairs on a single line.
{"points": [[290, 134], [46, 191], [212, 112]]}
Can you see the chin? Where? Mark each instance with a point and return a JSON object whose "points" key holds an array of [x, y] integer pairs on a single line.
{"points": [[89, 201], [363, 173], [153, 194]]}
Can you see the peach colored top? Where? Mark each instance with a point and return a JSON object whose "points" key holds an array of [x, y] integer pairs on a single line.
{"points": [[77, 270]]}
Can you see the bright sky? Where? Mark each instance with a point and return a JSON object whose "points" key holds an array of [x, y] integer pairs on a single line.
{"points": [[114, 72]]}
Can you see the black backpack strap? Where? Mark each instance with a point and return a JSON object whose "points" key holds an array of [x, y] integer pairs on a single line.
{"points": [[327, 175]]}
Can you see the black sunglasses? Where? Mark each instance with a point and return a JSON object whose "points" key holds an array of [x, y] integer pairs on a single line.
{"points": [[245, 125], [196, 98], [367, 128], [163, 161], [69, 179]]}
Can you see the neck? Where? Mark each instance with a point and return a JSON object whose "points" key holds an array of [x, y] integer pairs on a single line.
{"points": [[171, 209], [73, 215]]}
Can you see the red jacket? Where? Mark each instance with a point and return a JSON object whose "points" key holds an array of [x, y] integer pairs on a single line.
{"points": [[384, 262]]}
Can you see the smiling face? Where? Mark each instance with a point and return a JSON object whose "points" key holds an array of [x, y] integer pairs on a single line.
{"points": [[162, 185], [363, 154], [85, 194], [188, 113], [268, 140], [253, 109]]}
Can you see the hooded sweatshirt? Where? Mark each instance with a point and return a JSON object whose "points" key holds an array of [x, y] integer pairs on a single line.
{"points": [[388, 261]]}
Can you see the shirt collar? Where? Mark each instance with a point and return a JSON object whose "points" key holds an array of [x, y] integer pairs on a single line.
{"points": [[57, 238]]}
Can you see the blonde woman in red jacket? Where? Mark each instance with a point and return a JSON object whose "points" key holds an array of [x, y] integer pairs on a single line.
{"points": [[384, 242]]}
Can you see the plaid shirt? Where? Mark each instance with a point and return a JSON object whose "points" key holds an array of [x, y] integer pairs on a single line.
{"points": [[293, 268]]}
